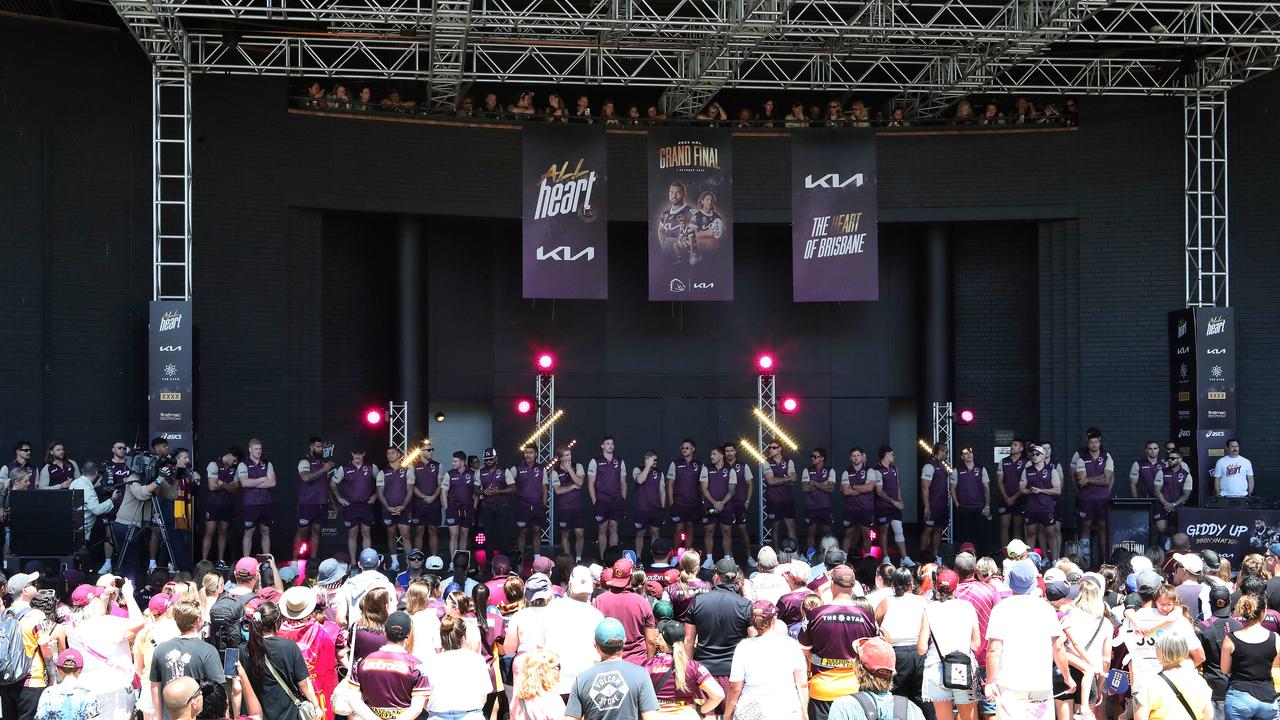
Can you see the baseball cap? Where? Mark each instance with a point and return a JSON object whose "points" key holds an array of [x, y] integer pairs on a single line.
{"points": [[610, 634], [83, 594], [660, 547], [1211, 559], [1138, 563], [19, 582], [1274, 549], [620, 577], [71, 659], [842, 576], [331, 573], [416, 554], [1016, 548], [947, 580], [397, 626], [580, 581], [1059, 590], [288, 574], [543, 564], [1220, 600], [269, 594], [767, 558], [435, 562], [1054, 574], [1022, 577], [663, 610], [1148, 582], [876, 656], [490, 454], [968, 547], [298, 602], [764, 609], [538, 587], [246, 567], [369, 559], [160, 603], [671, 576], [653, 589], [727, 568], [799, 570], [1189, 562]]}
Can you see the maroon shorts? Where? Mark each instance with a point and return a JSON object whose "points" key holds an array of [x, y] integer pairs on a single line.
{"points": [[739, 512], [817, 516], [457, 516], [217, 514], [649, 518], [858, 517], [426, 513], [1159, 513], [1046, 518], [312, 514], [711, 517], [256, 515], [685, 513], [608, 509], [357, 513], [940, 520], [1094, 508], [404, 518], [886, 515], [571, 518], [1018, 507], [530, 514], [776, 510]]}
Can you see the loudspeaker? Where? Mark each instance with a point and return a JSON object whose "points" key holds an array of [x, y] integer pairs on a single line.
{"points": [[46, 523]]}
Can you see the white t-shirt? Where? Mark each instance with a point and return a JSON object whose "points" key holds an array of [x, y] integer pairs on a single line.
{"points": [[426, 634], [766, 666], [459, 681], [108, 659], [532, 622], [1143, 663], [1027, 627], [1233, 474], [571, 626], [902, 619], [769, 586], [952, 623]]}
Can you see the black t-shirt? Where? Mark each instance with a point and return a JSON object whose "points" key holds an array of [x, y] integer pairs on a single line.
{"points": [[289, 663], [722, 617], [1211, 633]]}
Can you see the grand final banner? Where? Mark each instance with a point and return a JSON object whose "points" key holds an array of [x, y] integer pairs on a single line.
{"points": [[833, 216], [690, 214], [566, 212], [171, 356]]}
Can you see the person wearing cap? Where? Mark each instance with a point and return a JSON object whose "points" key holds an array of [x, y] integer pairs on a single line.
{"points": [[768, 677], [796, 574], [417, 561], [1188, 580], [356, 493], [566, 479], [186, 655], [767, 582], [20, 699], [718, 620], [659, 561], [527, 628], [390, 682], [684, 688], [828, 640], [105, 640], [949, 625], [530, 480], [875, 700], [570, 622], [1042, 483], [68, 699], [1095, 473], [630, 609], [347, 598], [1212, 633], [320, 641], [256, 476], [612, 689], [858, 484], [497, 490], [607, 486], [1024, 642], [159, 628], [970, 491]]}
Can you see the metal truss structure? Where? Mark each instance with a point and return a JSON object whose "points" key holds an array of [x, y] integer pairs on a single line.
{"points": [[1206, 216], [398, 425], [943, 425], [767, 401], [544, 389]]}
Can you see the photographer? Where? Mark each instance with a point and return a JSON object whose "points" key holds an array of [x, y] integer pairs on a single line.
{"points": [[97, 498], [150, 477]]}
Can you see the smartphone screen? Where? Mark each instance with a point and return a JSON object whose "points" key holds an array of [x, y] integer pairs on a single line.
{"points": [[229, 662]]}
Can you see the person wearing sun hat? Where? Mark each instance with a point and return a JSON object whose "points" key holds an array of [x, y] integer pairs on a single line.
{"points": [[876, 663], [318, 640]]}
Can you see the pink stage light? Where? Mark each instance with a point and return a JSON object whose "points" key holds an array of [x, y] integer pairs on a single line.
{"points": [[373, 416], [546, 362], [790, 405], [523, 406], [765, 363], [966, 417]]}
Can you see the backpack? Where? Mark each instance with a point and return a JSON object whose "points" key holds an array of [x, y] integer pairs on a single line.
{"points": [[869, 706], [226, 621], [15, 663]]}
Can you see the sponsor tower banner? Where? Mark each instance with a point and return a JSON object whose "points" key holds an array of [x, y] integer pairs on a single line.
{"points": [[565, 211], [1230, 533], [690, 214], [170, 365], [1202, 381], [833, 216]]}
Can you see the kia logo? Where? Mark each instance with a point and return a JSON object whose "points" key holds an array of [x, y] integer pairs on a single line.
{"points": [[564, 253], [1216, 351], [832, 180]]}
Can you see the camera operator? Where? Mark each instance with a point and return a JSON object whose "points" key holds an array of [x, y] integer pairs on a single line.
{"points": [[97, 497], [182, 477], [150, 477]]}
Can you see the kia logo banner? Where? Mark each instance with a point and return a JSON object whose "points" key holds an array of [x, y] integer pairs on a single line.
{"points": [[170, 362], [690, 214], [834, 253], [566, 212]]}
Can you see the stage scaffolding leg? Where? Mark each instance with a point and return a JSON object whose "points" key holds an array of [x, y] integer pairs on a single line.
{"points": [[1206, 217], [398, 425], [767, 401], [544, 446], [942, 426]]}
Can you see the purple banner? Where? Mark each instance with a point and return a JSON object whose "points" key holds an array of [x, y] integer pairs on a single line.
{"points": [[690, 214], [566, 213], [833, 216]]}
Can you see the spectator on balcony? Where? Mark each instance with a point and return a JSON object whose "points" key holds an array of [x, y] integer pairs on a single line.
{"points": [[523, 109], [858, 115], [746, 118], [341, 99], [1023, 111], [898, 119], [1051, 115], [315, 97], [491, 109], [991, 115], [835, 114], [964, 113], [583, 111], [633, 116], [556, 111], [654, 116], [467, 108], [1071, 115], [768, 116], [796, 118], [713, 114], [393, 103], [364, 101], [815, 115], [608, 115]]}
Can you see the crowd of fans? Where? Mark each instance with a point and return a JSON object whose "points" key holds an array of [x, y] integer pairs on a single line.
{"points": [[1162, 635], [835, 112]]}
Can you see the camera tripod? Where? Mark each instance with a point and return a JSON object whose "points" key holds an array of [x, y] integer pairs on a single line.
{"points": [[157, 519]]}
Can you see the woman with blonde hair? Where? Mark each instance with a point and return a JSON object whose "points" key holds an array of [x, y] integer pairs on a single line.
{"points": [[375, 608], [1182, 686], [684, 688], [426, 623], [535, 696], [687, 587], [1088, 630]]}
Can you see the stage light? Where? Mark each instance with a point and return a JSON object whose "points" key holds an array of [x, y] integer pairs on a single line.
{"points": [[775, 430], [966, 416], [480, 538], [765, 364], [545, 426], [523, 406], [790, 404], [373, 416], [302, 551], [546, 362], [751, 450], [439, 417]]}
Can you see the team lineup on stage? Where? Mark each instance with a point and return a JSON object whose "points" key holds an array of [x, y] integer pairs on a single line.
{"points": [[413, 496]]}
